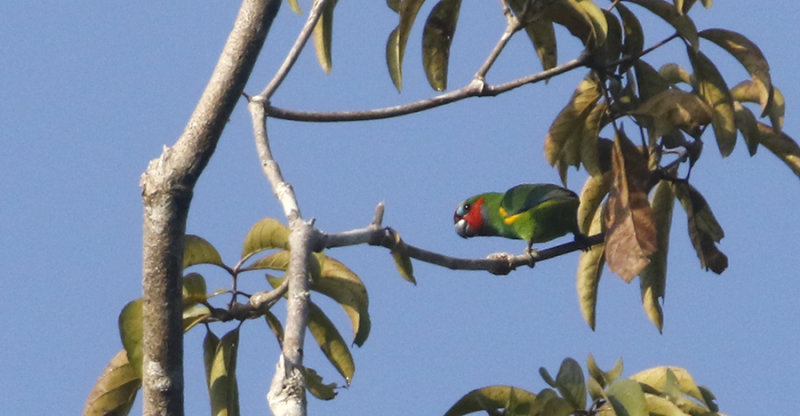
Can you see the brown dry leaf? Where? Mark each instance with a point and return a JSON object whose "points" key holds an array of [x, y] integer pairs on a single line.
{"points": [[631, 235], [704, 230]]}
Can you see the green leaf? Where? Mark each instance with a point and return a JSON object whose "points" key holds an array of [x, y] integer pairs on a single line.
{"points": [[674, 109], [675, 74], [323, 34], [660, 406], [194, 315], [548, 403], [715, 92], [275, 326], [582, 18], [491, 399], [131, 332], [603, 378], [396, 45], [219, 357], [781, 145], [401, 258], [562, 145], [197, 250], [747, 124], [649, 81], [547, 377], [664, 378], [194, 289], [749, 55], [594, 191], [653, 278], [266, 234], [115, 390], [543, 36], [590, 268], [394, 5], [627, 398], [345, 287], [295, 6], [436, 39], [633, 42], [682, 24], [570, 383], [330, 341], [280, 261], [315, 385]]}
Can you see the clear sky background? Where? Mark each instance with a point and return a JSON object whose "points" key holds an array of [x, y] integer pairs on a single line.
{"points": [[91, 91]]}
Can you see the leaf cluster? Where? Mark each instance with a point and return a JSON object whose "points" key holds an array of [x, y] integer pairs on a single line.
{"points": [[266, 247], [656, 391]]}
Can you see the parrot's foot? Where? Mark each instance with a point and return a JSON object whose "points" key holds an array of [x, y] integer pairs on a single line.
{"points": [[582, 241], [533, 254]]}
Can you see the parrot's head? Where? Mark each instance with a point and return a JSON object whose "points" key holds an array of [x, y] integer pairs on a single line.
{"points": [[469, 216]]}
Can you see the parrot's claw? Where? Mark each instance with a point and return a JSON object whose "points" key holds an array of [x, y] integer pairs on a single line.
{"points": [[533, 254], [582, 241]]}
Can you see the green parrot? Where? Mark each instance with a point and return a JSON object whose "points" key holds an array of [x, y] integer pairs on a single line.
{"points": [[535, 213]]}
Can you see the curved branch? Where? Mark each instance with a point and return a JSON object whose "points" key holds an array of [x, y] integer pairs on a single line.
{"points": [[476, 88]]}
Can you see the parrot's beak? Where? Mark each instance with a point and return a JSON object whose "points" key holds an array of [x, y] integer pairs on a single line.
{"points": [[463, 229]]}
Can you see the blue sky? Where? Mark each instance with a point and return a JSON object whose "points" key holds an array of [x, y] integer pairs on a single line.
{"points": [[93, 90]]}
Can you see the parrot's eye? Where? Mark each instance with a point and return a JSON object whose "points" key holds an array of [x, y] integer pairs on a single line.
{"points": [[463, 210]]}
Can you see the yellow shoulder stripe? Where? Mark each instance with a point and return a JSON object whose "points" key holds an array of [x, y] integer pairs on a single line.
{"points": [[510, 220]]}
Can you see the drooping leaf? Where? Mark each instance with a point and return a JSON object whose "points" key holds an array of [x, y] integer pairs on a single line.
{"points": [[345, 287], [590, 268], [591, 144], [682, 24], [674, 109], [194, 315], [631, 235], [747, 124], [115, 390], [194, 289], [570, 383], [715, 92], [295, 6], [633, 42], [653, 278], [131, 333], [609, 51], [219, 356], [543, 36], [776, 109], [316, 386], [436, 39], [491, 399], [396, 45], [781, 145], [582, 18], [749, 91], [275, 326], [562, 145], [704, 230], [594, 190], [749, 55], [197, 250], [330, 341], [401, 258], [266, 234], [394, 5], [323, 35], [627, 398]]}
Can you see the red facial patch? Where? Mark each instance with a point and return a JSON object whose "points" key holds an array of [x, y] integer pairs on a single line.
{"points": [[475, 217]]}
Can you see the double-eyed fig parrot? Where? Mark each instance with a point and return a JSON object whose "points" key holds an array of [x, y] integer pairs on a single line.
{"points": [[535, 213]]}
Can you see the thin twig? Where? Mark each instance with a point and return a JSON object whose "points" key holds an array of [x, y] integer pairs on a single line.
{"points": [[294, 52], [471, 90], [513, 26]]}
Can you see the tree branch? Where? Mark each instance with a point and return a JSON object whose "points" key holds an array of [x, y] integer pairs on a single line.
{"points": [[167, 186], [294, 52], [473, 89]]}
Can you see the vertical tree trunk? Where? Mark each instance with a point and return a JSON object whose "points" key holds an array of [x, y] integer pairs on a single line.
{"points": [[167, 186]]}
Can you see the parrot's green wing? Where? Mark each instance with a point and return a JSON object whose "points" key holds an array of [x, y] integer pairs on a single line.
{"points": [[521, 198]]}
